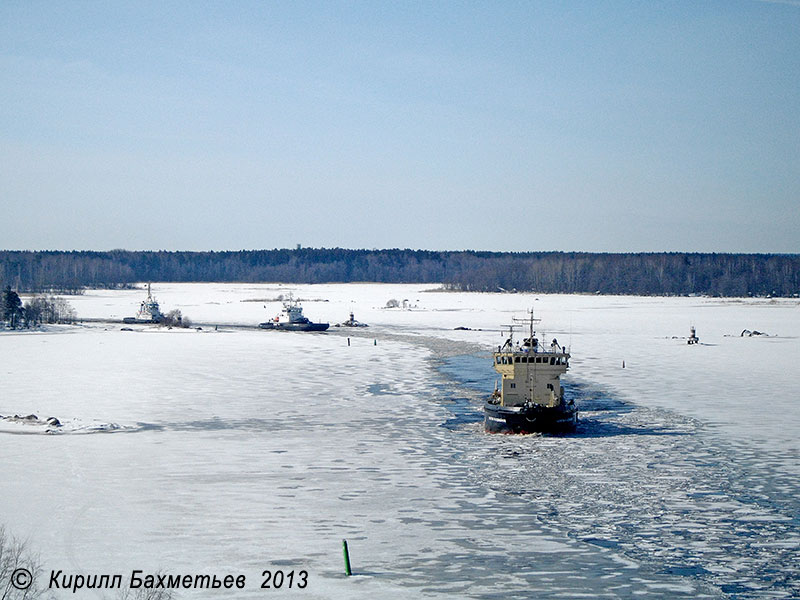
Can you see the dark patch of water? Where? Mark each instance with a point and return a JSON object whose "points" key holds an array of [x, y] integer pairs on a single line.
{"points": [[464, 412], [472, 370], [382, 389], [476, 372]]}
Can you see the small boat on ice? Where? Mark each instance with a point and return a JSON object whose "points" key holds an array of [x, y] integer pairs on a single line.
{"points": [[351, 322], [531, 398], [291, 318]]}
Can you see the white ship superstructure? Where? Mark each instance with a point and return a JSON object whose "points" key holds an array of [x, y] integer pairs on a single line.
{"points": [[530, 396]]}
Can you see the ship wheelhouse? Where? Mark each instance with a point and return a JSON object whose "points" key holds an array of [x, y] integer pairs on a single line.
{"points": [[531, 373]]}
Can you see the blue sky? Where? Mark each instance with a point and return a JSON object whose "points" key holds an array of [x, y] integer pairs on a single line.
{"points": [[595, 126]]}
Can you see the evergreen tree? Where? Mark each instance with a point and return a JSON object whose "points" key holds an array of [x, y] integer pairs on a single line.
{"points": [[12, 308]]}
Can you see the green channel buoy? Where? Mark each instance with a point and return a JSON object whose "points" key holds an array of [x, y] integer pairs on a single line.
{"points": [[346, 558]]}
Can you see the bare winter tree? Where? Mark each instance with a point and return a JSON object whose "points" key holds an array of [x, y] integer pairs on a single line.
{"points": [[17, 566], [21, 571], [48, 309], [174, 318]]}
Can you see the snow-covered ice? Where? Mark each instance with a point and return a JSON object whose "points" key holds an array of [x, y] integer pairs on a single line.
{"points": [[237, 450]]}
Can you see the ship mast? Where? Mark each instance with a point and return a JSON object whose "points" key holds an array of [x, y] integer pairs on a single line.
{"points": [[530, 321], [531, 380]]}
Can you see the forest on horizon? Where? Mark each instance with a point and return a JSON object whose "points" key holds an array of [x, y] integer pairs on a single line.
{"points": [[652, 273]]}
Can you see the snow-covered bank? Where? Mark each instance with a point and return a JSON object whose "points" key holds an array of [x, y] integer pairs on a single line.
{"points": [[245, 449]]}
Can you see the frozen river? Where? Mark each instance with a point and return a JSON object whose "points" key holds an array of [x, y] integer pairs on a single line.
{"points": [[233, 451]]}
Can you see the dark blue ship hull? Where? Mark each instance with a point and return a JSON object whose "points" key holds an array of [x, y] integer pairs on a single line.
{"points": [[529, 418], [309, 326]]}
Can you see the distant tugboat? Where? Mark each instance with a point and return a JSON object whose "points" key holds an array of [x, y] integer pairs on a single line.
{"points": [[291, 319], [351, 322], [149, 311], [531, 398]]}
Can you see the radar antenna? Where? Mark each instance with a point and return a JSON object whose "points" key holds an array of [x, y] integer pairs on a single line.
{"points": [[530, 321]]}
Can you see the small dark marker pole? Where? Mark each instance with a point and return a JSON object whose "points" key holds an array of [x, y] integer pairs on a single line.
{"points": [[346, 558], [623, 364], [348, 341], [374, 342]]}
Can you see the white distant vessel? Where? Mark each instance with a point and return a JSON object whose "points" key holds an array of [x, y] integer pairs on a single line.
{"points": [[291, 318], [149, 311], [530, 398]]}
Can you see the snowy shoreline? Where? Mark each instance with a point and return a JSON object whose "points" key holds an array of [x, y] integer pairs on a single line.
{"points": [[245, 440]]}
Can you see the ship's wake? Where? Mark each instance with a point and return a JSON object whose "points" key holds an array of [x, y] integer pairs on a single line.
{"points": [[653, 486]]}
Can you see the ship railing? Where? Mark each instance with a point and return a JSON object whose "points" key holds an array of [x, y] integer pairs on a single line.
{"points": [[552, 349]]}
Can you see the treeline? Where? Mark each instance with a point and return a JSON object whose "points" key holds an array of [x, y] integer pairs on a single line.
{"points": [[37, 310], [562, 272]]}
